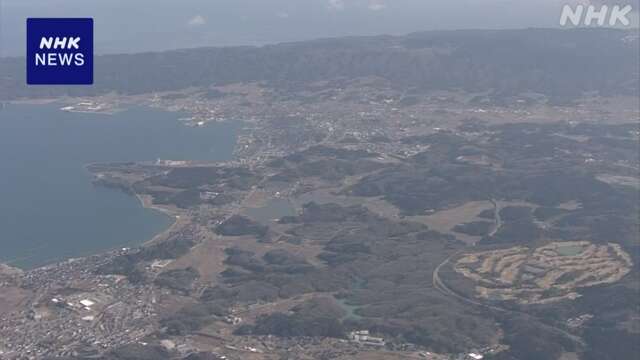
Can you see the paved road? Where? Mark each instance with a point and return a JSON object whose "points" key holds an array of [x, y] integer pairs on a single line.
{"points": [[444, 289]]}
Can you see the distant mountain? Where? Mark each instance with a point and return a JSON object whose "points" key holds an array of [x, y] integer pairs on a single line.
{"points": [[561, 64]]}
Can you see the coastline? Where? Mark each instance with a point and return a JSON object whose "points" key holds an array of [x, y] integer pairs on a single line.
{"points": [[7, 270], [147, 203], [38, 258], [178, 219]]}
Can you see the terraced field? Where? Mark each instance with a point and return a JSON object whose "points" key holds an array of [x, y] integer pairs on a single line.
{"points": [[549, 273]]}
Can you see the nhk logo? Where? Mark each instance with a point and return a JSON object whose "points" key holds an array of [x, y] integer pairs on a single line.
{"points": [[59, 51], [59, 59], [588, 15]]}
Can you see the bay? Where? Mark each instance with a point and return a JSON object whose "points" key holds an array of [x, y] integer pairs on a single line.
{"points": [[50, 210]]}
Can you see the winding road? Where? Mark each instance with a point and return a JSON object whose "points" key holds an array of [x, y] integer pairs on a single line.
{"points": [[444, 289]]}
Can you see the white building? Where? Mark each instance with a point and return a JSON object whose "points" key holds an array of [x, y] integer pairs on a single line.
{"points": [[87, 303]]}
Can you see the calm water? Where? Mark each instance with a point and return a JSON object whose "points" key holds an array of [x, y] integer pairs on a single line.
{"points": [[49, 210], [273, 210]]}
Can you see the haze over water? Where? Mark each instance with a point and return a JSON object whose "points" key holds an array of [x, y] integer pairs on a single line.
{"points": [[50, 210]]}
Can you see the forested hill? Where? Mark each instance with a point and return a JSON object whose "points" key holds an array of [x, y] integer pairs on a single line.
{"points": [[561, 64]]}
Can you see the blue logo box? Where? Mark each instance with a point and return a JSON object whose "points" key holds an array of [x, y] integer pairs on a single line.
{"points": [[59, 51]]}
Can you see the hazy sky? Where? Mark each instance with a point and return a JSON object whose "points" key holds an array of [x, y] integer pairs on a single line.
{"points": [[143, 25]]}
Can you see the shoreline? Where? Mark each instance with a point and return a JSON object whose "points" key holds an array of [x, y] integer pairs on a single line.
{"points": [[178, 221], [175, 215], [8, 270]]}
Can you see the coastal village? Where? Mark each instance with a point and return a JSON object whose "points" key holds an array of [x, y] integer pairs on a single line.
{"points": [[72, 303]]}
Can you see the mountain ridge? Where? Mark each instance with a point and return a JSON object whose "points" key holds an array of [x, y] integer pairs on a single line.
{"points": [[562, 64]]}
